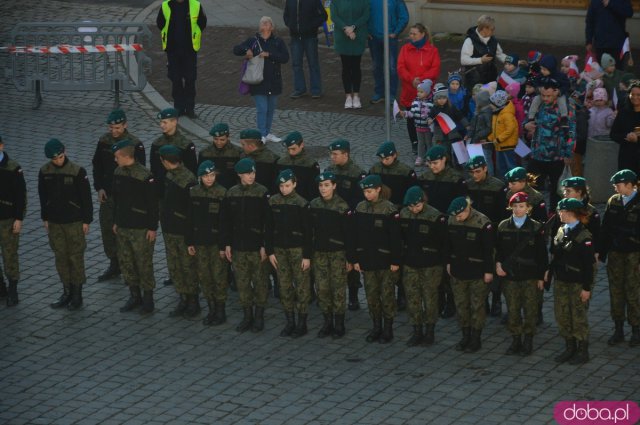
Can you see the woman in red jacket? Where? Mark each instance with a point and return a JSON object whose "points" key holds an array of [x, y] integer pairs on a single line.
{"points": [[418, 60]]}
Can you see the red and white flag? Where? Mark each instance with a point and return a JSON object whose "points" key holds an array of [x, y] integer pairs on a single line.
{"points": [[447, 125], [626, 48], [574, 71], [587, 66], [504, 80]]}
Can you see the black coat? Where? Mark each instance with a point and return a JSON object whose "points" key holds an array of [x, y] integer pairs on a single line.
{"points": [[303, 17], [278, 54]]}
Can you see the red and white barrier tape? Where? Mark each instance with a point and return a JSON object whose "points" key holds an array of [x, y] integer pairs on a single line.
{"points": [[66, 49]]}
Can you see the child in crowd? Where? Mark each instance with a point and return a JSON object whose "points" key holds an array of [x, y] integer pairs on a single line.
{"points": [[513, 69], [419, 111], [612, 77], [504, 131], [601, 116], [548, 68], [457, 93], [513, 90], [480, 127], [530, 92], [569, 67], [472, 101], [533, 59], [441, 105]]}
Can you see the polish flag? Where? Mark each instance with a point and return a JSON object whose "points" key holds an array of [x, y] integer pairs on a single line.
{"points": [[587, 66], [626, 48], [504, 80], [447, 125], [574, 71]]}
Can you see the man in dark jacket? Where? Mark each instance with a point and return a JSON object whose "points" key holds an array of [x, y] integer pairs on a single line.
{"points": [[606, 29], [303, 17]]}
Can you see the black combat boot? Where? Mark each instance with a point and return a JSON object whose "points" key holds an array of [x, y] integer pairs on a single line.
{"points": [[527, 345], [569, 351], [111, 272], [209, 318], [582, 354], [3, 288], [374, 333], [179, 309], [618, 334], [338, 327], [12, 293], [64, 299], [75, 302], [402, 298], [429, 335], [475, 341], [135, 299], [247, 320], [515, 347], [258, 320], [290, 325], [327, 326], [387, 332], [416, 337], [301, 326], [221, 314], [193, 306], [466, 336], [496, 304], [634, 341], [354, 285], [147, 302]]}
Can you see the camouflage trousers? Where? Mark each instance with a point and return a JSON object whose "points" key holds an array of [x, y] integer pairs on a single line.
{"points": [[135, 256], [9, 246], [294, 284], [68, 244], [330, 273], [109, 242], [521, 296], [212, 273], [624, 286], [380, 289], [180, 264], [251, 272], [421, 288], [570, 311], [469, 296]]}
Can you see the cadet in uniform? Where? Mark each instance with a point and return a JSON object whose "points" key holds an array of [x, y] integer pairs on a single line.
{"points": [[469, 258], [521, 260], [331, 247], [348, 175], [572, 266], [305, 168], [104, 165], [13, 206], [203, 241], [378, 251], [135, 206], [245, 212], [621, 245], [288, 245], [223, 154], [173, 219], [264, 158], [423, 233], [66, 211]]}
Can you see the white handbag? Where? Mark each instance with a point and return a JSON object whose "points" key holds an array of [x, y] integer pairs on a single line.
{"points": [[254, 74]]}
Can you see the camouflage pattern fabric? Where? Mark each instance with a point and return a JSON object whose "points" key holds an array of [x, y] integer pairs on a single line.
{"points": [[329, 269], [570, 311], [421, 288], [624, 286], [380, 289], [68, 244], [521, 295], [251, 278], [212, 273], [469, 296], [9, 245], [180, 264], [294, 284], [106, 228], [135, 256]]}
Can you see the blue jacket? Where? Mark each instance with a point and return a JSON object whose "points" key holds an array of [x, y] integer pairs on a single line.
{"points": [[398, 17], [605, 26]]}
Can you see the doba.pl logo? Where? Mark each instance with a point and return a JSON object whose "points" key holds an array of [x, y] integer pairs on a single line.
{"points": [[596, 412]]}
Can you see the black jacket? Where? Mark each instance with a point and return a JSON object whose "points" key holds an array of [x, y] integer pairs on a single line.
{"points": [[205, 206], [135, 198], [65, 194], [303, 17], [104, 163], [573, 256], [13, 190], [278, 54], [531, 260], [245, 212]]}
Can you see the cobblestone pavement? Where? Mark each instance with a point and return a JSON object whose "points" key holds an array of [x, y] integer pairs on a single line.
{"points": [[100, 366]]}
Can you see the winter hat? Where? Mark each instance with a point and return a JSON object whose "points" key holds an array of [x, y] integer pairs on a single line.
{"points": [[499, 99], [531, 81], [426, 85], [512, 58], [491, 87], [550, 62], [607, 60], [476, 89], [482, 99], [534, 56], [570, 61], [600, 94], [454, 76], [513, 89], [440, 90]]}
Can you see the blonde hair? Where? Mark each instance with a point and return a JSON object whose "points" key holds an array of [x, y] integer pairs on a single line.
{"points": [[486, 21]]}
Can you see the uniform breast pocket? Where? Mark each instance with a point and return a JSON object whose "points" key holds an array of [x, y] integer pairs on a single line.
{"points": [[214, 208], [423, 228], [378, 223], [346, 184], [68, 180], [632, 217], [471, 236]]}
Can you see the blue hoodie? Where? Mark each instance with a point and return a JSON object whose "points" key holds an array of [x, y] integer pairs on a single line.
{"points": [[398, 17]]}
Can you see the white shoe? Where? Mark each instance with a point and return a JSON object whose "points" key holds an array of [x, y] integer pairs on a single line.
{"points": [[356, 102], [273, 138], [348, 104], [264, 139]]}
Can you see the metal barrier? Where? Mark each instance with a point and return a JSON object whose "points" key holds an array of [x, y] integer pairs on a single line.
{"points": [[59, 56]]}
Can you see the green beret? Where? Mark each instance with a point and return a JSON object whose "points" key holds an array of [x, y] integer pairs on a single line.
{"points": [[516, 174], [251, 133], [326, 175], [413, 196], [386, 149], [54, 147], [168, 113], [285, 176], [436, 152], [574, 182], [476, 162], [207, 167], [458, 205], [117, 116], [170, 150], [340, 145], [372, 180], [245, 165], [624, 176], [569, 204], [121, 144], [220, 129], [292, 138]]}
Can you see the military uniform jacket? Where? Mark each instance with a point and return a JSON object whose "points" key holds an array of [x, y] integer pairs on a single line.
{"points": [[65, 194], [444, 187], [306, 170], [593, 226], [573, 256], [469, 246], [532, 260], [347, 178], [539, 210], [104, 163], [175, 204], [224, 159], [330, 225], [398, 177], [488, 198], [621, 225], [189, 159], [423, 237], [13, 190], [245, 212], [377, 239], [266, 169], [204, 218], [135, 198], [289, 226]]}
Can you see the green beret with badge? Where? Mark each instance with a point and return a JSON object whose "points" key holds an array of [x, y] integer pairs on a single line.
{"points": [[220, 129], [413, 196], [251, 133], [371, 181], [570, 204], [326, 175], [340, 145], [436, 152], [516, 174], [624, 176], [386, 149], [285, 176], [168, 113], [53, 148], [458, 205], [117, 116], [245, 165], [207, 167], [475, 162], [574, 182], [121, 144], [293, 138], [167, 150]]}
